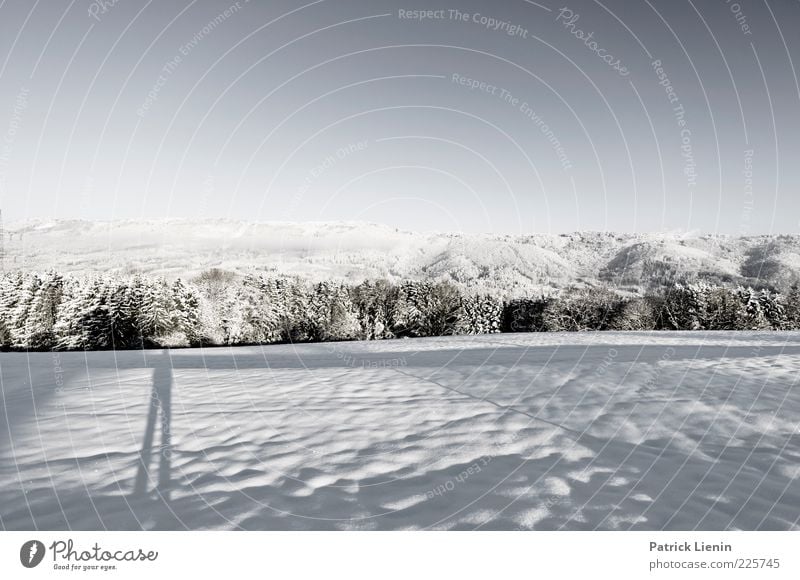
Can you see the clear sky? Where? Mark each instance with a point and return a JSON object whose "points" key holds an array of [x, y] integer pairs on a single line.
{"points": [[509, 116]]}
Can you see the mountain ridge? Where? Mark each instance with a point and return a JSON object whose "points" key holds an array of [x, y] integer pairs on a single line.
{"points": [[356, 250]]}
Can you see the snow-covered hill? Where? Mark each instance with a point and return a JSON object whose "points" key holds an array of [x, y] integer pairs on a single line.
{"points": [[355, 251]]}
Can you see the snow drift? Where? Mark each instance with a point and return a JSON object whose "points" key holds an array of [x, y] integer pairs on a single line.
{"points": [[611, 431]]}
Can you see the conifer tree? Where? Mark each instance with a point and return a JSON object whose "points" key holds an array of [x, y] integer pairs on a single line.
{"points": [[752, 314], [793, 308], [123, 314], [524, 315], [773, 309], [480, 314], [155, 313], [23, 310], [10, 286], [186, 317], [373, 303], [40, 322], [408, 316], [68, 331]]}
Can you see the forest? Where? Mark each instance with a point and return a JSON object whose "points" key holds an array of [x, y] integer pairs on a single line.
{"points": [[51, 311]]}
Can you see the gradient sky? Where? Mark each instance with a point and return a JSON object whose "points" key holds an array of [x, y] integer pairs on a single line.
{"points": [[350, 110]]}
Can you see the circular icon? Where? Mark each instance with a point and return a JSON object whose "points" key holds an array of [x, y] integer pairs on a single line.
{"points": [[31, 553]]}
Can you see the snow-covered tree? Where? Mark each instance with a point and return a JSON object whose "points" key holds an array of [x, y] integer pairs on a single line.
{"points": [[186, 315], [155, 315], [123, 300], [752, 309], [792, 308], [773, 309], [524, 314], [426, 309], [480, 314], [38, 331], [637, 313], [583, 309], [331, 314], [23, 310], [374, 302]]}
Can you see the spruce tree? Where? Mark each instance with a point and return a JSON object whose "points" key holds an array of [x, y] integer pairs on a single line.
{"points": [[10, 285], [773, 310], [155, 314], [793, 308], [186, 312], [123, 316], [39, 325], [23, 310]]}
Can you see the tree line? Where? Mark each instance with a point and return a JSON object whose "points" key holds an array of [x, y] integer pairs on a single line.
{"points": [[44, 311]]}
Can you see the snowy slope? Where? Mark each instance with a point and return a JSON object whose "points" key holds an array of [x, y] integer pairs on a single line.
{"points": [[355, 251], [537, 431]]}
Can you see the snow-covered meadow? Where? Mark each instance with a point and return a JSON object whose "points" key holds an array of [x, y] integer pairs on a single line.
{"points": [[517, 431]]}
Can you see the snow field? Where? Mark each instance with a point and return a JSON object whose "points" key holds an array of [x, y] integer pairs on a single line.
{"points": [[517, 431]]}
